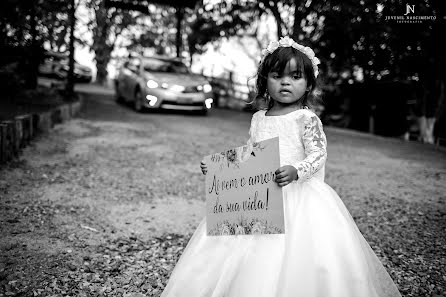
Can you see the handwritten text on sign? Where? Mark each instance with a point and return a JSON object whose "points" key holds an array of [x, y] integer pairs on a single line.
{"points": [[241, 194]]}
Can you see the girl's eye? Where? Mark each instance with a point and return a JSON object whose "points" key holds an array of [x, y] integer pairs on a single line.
{"points": [[297, 76]]}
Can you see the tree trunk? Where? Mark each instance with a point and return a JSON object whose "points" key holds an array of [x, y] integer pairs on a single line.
{"points": [[101, 65], [426, 129], [70, 79], [430, 103], [178, 41], [272, 6], [33, 52], [100, 46], [296, 24]]}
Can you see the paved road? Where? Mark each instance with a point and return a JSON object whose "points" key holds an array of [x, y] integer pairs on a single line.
{"points": [[113, 173]]}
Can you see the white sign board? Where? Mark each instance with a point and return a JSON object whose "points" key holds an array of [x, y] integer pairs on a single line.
{"points": [[242, 197]]}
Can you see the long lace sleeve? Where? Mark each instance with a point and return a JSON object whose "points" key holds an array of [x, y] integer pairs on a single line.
{"points": [[251, 130], [315, 145]]}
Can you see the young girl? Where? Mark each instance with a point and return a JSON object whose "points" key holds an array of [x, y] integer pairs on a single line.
{"points": [[322, 253]]}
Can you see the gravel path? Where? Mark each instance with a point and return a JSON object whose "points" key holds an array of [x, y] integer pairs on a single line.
{"points": [[105, 204]]}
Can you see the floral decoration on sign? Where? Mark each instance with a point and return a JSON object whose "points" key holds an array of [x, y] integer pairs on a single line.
{"points": [[244, 227], [233, 157]]}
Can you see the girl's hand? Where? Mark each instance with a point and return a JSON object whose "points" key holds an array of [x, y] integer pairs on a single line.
{"points": [[204, 168], [285, 175]]}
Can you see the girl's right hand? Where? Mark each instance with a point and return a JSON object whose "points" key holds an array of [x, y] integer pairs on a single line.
{"points": [[204, 167]]}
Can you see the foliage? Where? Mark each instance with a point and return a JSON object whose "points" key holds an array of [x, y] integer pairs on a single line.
{"points": [[356, 35], [106, 24], [24, 27], [25, 22], [154, 31], [352, 38], [213, 22]]}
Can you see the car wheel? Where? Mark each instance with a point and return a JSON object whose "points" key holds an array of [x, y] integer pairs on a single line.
{"points": [[138, 106]]}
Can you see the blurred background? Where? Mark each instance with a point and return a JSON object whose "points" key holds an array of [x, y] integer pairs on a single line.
{"points": [[382, 62], [105, 204]]}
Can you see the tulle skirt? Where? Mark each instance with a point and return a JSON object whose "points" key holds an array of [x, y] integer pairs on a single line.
{"points": [[322, 254]]}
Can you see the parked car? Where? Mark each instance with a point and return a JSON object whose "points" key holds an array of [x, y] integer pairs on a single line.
{"points": [[161, 82], [55, 65]]}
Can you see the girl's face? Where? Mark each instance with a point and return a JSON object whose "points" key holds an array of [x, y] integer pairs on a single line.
{"points": [[288, 87]]}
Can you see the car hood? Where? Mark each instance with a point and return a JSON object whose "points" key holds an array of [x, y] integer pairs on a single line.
{"points": [[186, 80], [77, 66]]}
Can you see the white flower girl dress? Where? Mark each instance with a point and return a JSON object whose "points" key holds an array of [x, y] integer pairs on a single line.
{"points": [[322, 253]]}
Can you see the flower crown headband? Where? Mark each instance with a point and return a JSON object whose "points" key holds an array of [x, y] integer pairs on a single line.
{"points": [[288, 42]]}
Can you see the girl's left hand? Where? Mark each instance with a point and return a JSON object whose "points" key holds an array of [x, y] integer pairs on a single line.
{"points": [[285, 175], [204, 167]]}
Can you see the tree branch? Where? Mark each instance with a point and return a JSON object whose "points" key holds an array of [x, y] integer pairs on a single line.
{"points": [[275, 11]]}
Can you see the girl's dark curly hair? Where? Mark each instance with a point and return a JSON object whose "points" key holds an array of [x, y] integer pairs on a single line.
{"points": [[276, 62]]}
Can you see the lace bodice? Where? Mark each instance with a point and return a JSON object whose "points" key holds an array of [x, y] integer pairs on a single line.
{"points": [[302, 141]]}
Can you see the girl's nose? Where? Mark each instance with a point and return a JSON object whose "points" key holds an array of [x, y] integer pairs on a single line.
{"points": [[285, 80]]}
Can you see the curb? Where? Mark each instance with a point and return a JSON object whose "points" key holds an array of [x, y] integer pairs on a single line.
{"points": [[17, 133]]}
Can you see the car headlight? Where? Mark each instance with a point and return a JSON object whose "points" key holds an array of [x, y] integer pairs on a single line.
{"points": [[207, 88], [177, 88], [151, 84]]}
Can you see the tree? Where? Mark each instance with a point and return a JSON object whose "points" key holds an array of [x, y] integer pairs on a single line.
{"points": [[56, 29], [210, 23], [389, 51], [70, 77], [24, 27], [107, 24], [350, 37], [154, 31]]}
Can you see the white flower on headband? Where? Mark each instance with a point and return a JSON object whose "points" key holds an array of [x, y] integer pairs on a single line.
{"points": [[288, 42], [272, 46]]}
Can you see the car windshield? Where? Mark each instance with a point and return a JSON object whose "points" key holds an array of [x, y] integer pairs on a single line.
{"points": [[156, 65]]}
